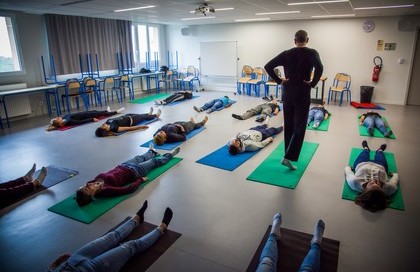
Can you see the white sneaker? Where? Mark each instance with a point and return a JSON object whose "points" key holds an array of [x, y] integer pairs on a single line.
{"points": [[108, 109]]}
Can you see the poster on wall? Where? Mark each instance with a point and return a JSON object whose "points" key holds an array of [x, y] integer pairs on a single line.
{"points": [[390, 46], [380, 45]]}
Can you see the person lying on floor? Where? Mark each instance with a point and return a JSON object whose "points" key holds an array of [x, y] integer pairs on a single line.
{"points": [[263, 110], [373, 120], [178, 96], [269, 254], [177, 132], [253, 139], [215, 104], [107, 253], [317, 114], [132, 173], [14, 189], [370, 178], [127, 122], [79, 118]]}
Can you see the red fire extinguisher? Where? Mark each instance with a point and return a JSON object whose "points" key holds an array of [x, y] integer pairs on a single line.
{"points": [[377, 61]]}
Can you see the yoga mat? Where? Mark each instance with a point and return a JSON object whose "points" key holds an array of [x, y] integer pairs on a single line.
{"points": [[170, 146], [70, 127], [397, 201], [292, 249], [142, 261], [322, 127], [54, 176], [221, 158], [87, 214], [270, 171], [150, 98], [179, 101], [366, 106], [376, 133], [144, 122]]}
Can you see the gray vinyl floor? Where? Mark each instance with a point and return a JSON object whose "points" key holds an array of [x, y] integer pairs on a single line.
{"points": [[221, 215]]}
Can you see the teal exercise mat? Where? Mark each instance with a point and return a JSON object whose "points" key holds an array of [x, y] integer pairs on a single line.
{"points": [[292, 249], [376, 133], [89, 213], [322, 127], [271, 171], [396, 199], [170, 146], [54, 176], [150, 98], [142, 261]]}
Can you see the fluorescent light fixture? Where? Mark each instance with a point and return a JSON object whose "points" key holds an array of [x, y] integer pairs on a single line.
{"points": [[198, 18], [144, 7], [317, 2], [220, 9], [387, 7], [277, 12], [251, 20], [338, 15]]}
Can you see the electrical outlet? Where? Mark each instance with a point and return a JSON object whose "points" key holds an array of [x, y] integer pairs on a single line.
{"points": [[41, 103]]}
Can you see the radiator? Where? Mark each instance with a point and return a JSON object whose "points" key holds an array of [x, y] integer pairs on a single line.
{"points": [[17, 105]]}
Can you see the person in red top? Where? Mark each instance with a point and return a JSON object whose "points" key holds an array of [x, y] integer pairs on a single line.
{"points": [[114, 182]]}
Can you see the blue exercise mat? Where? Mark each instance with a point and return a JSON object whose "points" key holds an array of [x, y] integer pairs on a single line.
{"points": [[221, 158], [170, 146]]}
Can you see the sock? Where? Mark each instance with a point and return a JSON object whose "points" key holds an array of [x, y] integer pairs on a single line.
{"points": [[176, 151], [151, 110], [287, 163], [167, 217], [197, 109], [158, 113], [267, 119], [205, 120], [108, 109], [41, 176], [388, 134], [28, 176], [382, 147], [121, 110], [365, 145], [318, 232], [275, 228], [140, 213], [152, 148]]}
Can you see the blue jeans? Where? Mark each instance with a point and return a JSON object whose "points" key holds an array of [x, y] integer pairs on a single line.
{"points": [[103, 254], [142, 164], [315, 115], [213, 105], [364, 157], [269, 256], [375, 121]]}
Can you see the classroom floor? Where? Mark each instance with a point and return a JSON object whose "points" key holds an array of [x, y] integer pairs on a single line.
{"points": [[221, 215]]}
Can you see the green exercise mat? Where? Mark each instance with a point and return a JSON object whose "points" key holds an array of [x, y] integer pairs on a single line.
{"points": [[270, 171], [322, 127], [397, 201], [87, 214], [376, 133], [150, 98]]}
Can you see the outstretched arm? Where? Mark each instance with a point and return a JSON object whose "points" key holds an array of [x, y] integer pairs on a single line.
{"points": [[123, 129], [352, 181]]}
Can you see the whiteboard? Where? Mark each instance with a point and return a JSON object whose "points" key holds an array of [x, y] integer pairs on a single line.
{"points": [[218, 58]]}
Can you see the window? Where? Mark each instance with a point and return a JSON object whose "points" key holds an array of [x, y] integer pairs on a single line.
{"points": [[145, 42], [9, 54]]}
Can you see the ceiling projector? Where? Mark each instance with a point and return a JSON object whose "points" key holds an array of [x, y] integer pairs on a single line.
{"points": [[204, 9]]}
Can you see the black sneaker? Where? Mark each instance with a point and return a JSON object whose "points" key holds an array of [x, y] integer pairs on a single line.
{"points": [[388, 134], [237, 116], [370, 131], [365, 145], [260, 119]]}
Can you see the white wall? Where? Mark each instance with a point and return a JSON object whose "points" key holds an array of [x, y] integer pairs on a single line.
{"points": [[341, 43]]}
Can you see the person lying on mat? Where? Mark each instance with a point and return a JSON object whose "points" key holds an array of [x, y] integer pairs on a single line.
{"points": [[80, 118], [370, 178], [14, 189], [109, 252], [176, 132], [215, 104], [127, 122], [132, 173], [253, 139], [263, 110], [317, 114], [269, 254], [178, 96], [373, 119]]}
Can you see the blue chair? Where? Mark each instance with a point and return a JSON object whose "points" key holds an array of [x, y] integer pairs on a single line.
{"points": [[259, 76], [245, 77], [166, 80], [341, 85], [109, 85], [73, 88], [271, 83], [90, 89]]}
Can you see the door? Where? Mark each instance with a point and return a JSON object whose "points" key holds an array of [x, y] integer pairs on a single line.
{"points": [[414, 89]]}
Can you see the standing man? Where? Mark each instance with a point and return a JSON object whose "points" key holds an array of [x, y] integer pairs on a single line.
{"points": [[298, 64]]}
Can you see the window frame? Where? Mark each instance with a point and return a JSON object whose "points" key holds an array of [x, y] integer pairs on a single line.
{"points": [[136, 50], [19, 53]]}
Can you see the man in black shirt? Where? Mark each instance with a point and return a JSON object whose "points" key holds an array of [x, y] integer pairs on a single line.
{"points": [[298, 64]]}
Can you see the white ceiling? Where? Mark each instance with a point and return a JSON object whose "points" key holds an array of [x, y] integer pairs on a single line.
{"points": [[171, 12]]}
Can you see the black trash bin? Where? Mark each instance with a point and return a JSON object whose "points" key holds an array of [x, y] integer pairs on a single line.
{"points": [[366, 93]]}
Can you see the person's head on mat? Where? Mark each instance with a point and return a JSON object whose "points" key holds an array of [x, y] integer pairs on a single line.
{"points": [[85, 194], [373, 198], [103, 131], [55, 123], [160, 138], [235, 146]]}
